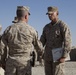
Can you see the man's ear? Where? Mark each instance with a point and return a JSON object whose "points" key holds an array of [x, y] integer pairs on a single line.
{"points": [[25, 16], [57, 13]]}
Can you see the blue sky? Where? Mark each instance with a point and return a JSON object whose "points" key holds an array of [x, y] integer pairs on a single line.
{"points": [[38, 18]]}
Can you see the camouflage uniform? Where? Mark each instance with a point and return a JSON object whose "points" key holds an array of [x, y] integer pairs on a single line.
{"points": [[55, 36], [20, 39]]}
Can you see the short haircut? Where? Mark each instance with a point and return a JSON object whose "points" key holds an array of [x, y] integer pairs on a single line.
{"points": [[20, 13]]}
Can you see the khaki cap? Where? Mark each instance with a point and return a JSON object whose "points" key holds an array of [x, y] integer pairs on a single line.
{"points": [[25, 8], [15, 20], [51, 9]]}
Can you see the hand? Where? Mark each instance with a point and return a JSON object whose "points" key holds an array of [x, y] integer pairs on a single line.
{"points": [[41, 57], [3, 66], [62, 59]]}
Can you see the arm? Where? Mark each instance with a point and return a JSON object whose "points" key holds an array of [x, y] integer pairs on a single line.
{"points": [[37, 44], [43, 38], [67, 42], [3, 49]]}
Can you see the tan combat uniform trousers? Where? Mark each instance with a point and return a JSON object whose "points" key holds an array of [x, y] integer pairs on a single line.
{"points": [[53, 68]]}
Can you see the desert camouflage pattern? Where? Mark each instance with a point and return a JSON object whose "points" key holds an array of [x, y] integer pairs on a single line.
{"points": [[21, 39], [55, 36]]}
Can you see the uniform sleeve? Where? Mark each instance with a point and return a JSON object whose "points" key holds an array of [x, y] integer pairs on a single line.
{"points": [[3, 45], [66, 40], [43, 38], [37, 44]]}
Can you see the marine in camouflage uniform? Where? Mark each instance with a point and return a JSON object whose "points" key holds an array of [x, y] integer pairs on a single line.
{"points": [[20, 39], [56, 34]]}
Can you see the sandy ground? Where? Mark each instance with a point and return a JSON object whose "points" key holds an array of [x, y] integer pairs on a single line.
{"points": [[38, 70]]}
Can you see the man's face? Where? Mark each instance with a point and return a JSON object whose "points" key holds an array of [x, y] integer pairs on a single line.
{"points": [[52, 16]]}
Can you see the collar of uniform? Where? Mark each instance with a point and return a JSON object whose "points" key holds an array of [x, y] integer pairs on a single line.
{"points": [[55, 23], [22, 22]]}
